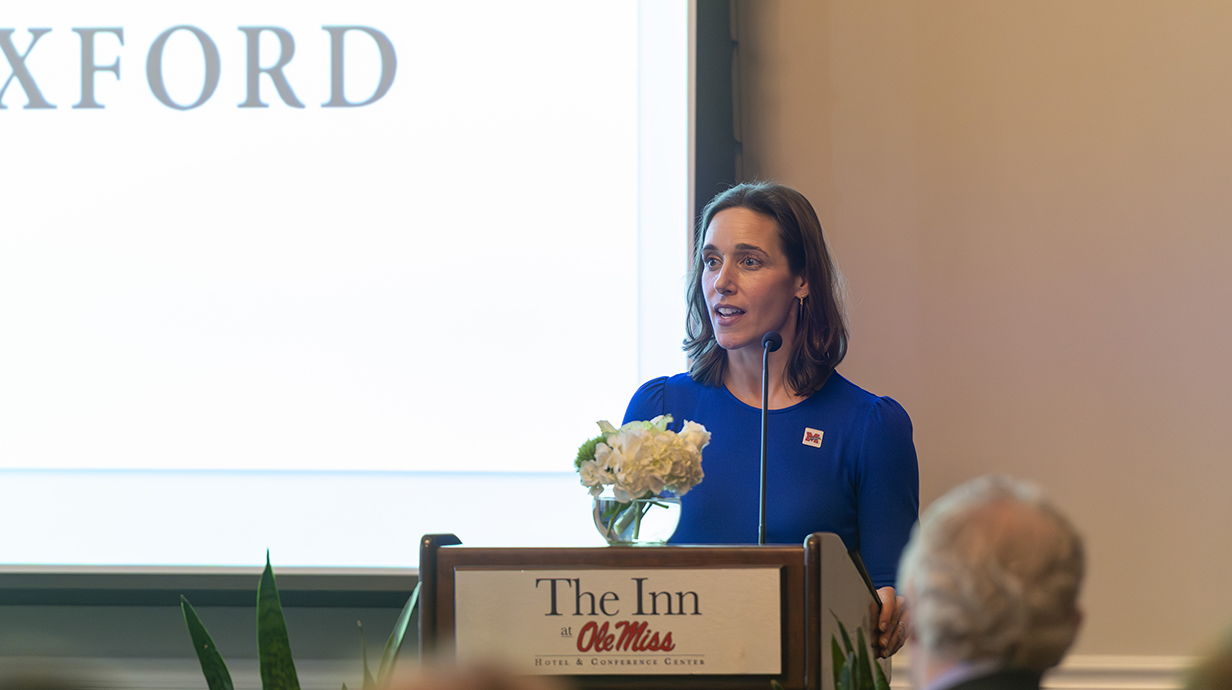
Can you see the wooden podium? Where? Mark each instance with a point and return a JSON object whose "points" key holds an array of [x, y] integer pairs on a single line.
{"points": [[730, 617]]}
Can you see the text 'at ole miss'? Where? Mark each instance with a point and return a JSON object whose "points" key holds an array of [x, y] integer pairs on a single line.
{"points": [[634, 637]]}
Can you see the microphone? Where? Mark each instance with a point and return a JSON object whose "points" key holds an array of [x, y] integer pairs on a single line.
{"points": [[770, 342]]}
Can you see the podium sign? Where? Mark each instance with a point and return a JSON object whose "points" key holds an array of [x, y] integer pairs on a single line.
{"points": [[640, 618], [710, 621]]}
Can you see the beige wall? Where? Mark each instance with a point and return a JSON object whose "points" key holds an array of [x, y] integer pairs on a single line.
{"points": [[1032, 204]]}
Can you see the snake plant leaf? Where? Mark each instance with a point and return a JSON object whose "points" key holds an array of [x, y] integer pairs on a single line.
{"points": [[775, 685], [844, 678], [883, 683], [864, 672], [217, 677], [390, 656], [843, 631], [369, 681], [837, 660], [273, 646]]}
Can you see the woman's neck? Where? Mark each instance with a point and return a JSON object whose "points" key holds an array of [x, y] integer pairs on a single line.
{"points": [[743, 377]]}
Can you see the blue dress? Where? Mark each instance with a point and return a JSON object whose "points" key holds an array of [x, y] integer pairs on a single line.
{"points": [[841, 461]]}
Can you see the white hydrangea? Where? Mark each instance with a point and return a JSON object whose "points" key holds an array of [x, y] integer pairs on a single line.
{"points": [[643, 459]]}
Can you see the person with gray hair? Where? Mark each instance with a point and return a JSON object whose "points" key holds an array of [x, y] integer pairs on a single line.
{"points": [[991, 576]]}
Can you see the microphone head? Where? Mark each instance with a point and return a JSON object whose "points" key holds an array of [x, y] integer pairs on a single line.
{"points": [[772, 340]]}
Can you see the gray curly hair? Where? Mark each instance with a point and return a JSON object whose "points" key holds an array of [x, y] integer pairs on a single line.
{"points": [[992, 573]]}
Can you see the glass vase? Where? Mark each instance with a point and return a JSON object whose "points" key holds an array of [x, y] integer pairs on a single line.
{"points": [[642, 521]]}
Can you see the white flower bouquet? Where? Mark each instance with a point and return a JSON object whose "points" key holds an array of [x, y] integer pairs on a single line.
{"points": [[640, 460]]}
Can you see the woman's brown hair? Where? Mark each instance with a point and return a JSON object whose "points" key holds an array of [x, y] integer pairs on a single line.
{"points": [[821, 331]]}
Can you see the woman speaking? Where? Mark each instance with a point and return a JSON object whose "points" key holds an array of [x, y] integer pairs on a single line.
{"points": [[840, 458]]}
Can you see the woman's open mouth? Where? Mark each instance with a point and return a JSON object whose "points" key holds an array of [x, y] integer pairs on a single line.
{"points": [[725, 314]]}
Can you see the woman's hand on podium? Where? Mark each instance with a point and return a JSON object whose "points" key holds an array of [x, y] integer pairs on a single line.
{"points": [[893, 625]]}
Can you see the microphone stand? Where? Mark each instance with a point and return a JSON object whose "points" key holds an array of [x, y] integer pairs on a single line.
{"points": [[769, 343]]}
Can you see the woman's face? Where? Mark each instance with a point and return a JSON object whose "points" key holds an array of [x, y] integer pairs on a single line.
{"points": [[749, 287]]}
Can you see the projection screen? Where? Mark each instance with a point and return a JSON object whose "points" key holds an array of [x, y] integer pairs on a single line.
{"points": [[324, 277]]}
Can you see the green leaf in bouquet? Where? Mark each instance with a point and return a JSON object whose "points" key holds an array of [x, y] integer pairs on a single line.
{"points": [[217, 677], [390, 656], [273, 645], [660, 423], [587, 450]]}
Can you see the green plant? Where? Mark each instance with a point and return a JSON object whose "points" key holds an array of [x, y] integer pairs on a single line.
{"points": [[274, 647], [853, 666]]}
